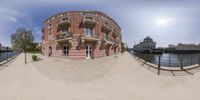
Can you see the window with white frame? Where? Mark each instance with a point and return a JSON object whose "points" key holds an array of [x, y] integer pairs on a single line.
{"points": [[88, 31]]}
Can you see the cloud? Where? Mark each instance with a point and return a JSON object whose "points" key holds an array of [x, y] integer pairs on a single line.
{"points": [[13, 19]]}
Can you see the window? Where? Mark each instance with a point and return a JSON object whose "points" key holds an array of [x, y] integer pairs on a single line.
{"points": [[50, 33], [65, 19], [106, 23], [89, 18], [65, 14], [88, 31], [64, 29], [107, 35], [50, 26], [53, 18]]}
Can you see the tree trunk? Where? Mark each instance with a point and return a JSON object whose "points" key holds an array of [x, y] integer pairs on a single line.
{"points": [[25, 56]]}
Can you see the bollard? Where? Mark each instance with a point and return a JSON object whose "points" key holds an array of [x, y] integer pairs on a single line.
{"points": [[181, 62], [191, 61], [159, 65]]}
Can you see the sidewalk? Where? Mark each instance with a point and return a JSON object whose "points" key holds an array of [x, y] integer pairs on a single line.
{"points": [[107, 78]]}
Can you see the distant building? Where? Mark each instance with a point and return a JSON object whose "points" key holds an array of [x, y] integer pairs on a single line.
{"points": [[181, 46], [4, 48], [0, 46], [171, 45], [184, 48], [147, 45]]}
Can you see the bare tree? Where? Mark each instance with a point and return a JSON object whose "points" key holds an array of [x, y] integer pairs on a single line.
{"points": [[22, 39]]}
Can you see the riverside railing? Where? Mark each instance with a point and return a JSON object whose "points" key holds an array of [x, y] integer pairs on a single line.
{"points": [[7, 55], [170, 61]]}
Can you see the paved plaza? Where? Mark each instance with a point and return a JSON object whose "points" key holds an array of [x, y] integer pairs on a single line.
{"points": [[118, 77]]}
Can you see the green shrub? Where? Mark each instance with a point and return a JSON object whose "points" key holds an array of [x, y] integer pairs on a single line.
{"points": [[34, 57]]}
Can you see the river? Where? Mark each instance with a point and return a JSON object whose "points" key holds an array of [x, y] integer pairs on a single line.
{"points": [[171, 59]]}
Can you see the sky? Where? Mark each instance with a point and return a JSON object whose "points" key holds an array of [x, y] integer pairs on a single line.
{"points": [[165, 21]]}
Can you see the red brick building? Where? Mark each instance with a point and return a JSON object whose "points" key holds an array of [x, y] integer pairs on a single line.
{"points": [[81, 34]]}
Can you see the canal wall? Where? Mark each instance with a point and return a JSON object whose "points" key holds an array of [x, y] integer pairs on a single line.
{"points": [[7, 56]]}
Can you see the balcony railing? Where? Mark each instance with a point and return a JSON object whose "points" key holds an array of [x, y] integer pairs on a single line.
{"points": [[108, 39], [90, 37], [94, 35], [62, 35], [64, 21], [89, 20]]}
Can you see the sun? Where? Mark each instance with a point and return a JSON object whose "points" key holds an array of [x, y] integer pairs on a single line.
{"points": [[162, 22]]}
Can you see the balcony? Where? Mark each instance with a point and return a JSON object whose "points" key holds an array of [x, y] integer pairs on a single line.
{"points": [[106, 28], [64, 37], [116, 41], [89, 21], [108, 40], [115, 33], [65, 21], [90, 37]]}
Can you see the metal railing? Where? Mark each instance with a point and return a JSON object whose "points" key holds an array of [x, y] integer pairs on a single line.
{"points": [[7, 55], [62, 35], [64, 20], [107, 38], [170, 61], [95, 35]]}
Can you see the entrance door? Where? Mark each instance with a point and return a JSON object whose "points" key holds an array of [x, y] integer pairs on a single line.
{"points": [[107, 50], [88, 51], [50, 51], [66, 50]]}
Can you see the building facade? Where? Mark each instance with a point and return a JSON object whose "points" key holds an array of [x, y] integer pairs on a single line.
{"points": [[81, 34], [147, 45]]}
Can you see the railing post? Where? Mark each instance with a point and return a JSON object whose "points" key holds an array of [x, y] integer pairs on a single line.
{"points": [[145, 57], [12, 53], [169, 61], [191, 60], [159, 65], [7, 56], [181, 62]]}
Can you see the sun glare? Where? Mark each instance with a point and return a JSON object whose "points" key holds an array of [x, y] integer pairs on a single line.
{"points": [[162, 22]]}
